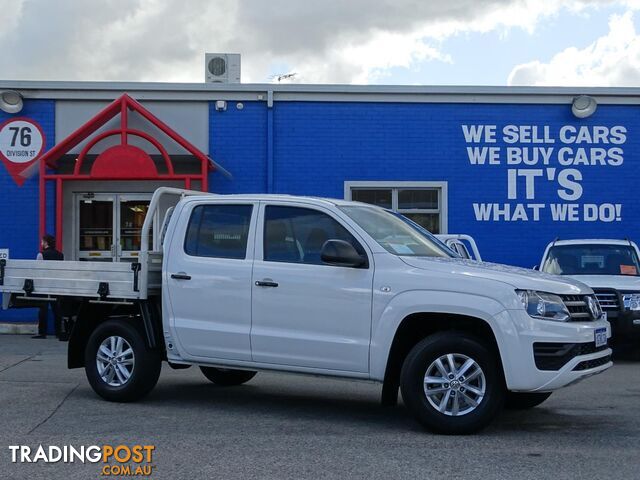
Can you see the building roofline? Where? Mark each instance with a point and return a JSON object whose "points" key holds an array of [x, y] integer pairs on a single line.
{"points": [[308, 88], [76, 90]]}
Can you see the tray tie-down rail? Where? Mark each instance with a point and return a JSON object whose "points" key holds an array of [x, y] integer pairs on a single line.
{"points": [[28, 289], [103, 288], [136, 267]]}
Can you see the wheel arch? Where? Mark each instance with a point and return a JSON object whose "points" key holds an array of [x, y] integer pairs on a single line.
{"points": [[145, 315], [416, 326]]}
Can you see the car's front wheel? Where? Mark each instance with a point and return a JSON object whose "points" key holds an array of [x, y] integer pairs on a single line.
{"points": [[451, 382], [118, 364]]}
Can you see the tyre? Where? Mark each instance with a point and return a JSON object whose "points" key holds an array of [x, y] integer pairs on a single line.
{"points": [[118, 364], [452, 383], [523, 401], [227, 377]]}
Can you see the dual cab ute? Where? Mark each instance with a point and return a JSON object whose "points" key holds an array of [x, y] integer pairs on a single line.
{"points": [[242, 283]]}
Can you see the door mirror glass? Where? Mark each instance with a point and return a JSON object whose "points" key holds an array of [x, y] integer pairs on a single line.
{"points": [[341, 254]]}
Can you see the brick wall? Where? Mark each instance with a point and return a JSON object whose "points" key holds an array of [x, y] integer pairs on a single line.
{"points": [[319, 145], [19, 212]]}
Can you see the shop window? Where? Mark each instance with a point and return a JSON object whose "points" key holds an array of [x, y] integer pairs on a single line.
{"points": [[422, 202], [219, 231], [382, 198]]}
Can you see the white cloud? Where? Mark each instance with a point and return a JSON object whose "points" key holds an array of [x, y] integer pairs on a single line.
{"points": [[612, 60], [330, 41]]}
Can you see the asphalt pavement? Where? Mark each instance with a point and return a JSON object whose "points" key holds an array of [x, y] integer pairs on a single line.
{"points": [[288, 426]]}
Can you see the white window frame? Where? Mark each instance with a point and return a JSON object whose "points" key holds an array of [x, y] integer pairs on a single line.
{"points": [[441, 187]]}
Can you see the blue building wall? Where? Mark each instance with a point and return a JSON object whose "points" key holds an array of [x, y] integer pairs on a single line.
{"points": [[238, 141], [19, 213], [317, 146], [312, 148]]}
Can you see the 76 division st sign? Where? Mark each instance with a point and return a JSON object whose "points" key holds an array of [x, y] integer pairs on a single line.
{"points": [[21, 143]]}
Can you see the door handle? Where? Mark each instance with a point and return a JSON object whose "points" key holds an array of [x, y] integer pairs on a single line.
{"points": [[181, 276], [266, 283]]}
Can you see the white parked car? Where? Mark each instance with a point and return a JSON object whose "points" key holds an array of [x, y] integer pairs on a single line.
{"points": [[244, 283], [612, 269], [464, 245], [461, 245]]}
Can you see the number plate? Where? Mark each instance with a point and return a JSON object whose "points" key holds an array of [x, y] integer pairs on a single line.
{"points": [[600, 337]]}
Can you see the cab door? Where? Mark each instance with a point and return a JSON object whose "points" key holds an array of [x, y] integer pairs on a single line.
{"points": [[306, 313], [208, 279]]}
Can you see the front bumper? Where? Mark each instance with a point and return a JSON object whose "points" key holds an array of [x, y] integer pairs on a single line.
{"points": [[519, 361], [625, 324]]}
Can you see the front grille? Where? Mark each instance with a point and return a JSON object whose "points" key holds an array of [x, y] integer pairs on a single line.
{"points": [[554, 356], [609, 300], [587, 364], [577, 306]]}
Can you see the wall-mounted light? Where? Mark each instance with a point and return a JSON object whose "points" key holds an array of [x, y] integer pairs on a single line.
{"points": [[10, 101], [221, 105], [584, 106]]}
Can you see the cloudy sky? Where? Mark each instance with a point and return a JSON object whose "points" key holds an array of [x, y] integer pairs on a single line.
{"points": [[453, 42]]}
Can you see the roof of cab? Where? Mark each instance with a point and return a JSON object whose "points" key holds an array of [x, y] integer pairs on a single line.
{"points": [[593, 241], [277, 197]]}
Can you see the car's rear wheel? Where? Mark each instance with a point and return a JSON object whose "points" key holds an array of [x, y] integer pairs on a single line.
{"points": [[118, 364], [452, 383], [525, 400], [227, 377]]}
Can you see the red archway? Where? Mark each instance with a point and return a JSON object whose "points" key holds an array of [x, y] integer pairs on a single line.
{"points": [[119, 162]]}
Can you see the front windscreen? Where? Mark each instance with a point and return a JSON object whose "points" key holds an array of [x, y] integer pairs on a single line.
{"points": [[393, 234], [592, 260], [423, 231]]}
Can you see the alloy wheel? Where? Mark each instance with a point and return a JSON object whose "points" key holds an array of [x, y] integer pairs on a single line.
{"points": [[115, 361], [454, 384]]}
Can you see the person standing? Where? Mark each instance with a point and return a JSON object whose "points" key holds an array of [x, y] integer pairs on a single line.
{"points": [[49, 252]]}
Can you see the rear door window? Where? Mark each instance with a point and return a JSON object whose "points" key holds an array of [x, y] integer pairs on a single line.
{"points": [[218, 231]]}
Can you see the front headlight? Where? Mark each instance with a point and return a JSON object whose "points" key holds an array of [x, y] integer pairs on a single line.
{"points": [[545, 306]]}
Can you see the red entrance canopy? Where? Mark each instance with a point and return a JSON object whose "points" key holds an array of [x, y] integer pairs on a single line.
{"points": [[119, 162]]}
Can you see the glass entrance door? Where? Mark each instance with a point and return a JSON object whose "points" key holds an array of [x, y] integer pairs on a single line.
{"points": [[95, 230], [132, 210], [109, 226]]}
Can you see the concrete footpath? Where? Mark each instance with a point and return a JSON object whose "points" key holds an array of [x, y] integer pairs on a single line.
{"points": [[280, 426]]}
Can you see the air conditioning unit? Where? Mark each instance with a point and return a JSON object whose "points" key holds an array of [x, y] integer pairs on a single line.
{"points": [[222, 67]]}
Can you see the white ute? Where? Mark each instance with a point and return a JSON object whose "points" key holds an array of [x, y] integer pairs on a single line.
{"points": [[612, 269], [323, 287]]}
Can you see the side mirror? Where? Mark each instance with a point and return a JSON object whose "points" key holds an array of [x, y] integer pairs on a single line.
{"points": [[341, 254], [535, 267]]}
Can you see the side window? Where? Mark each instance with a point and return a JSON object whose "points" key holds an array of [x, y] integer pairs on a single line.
{"points": [[218, 231], [296, 235], [461, 249]]}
